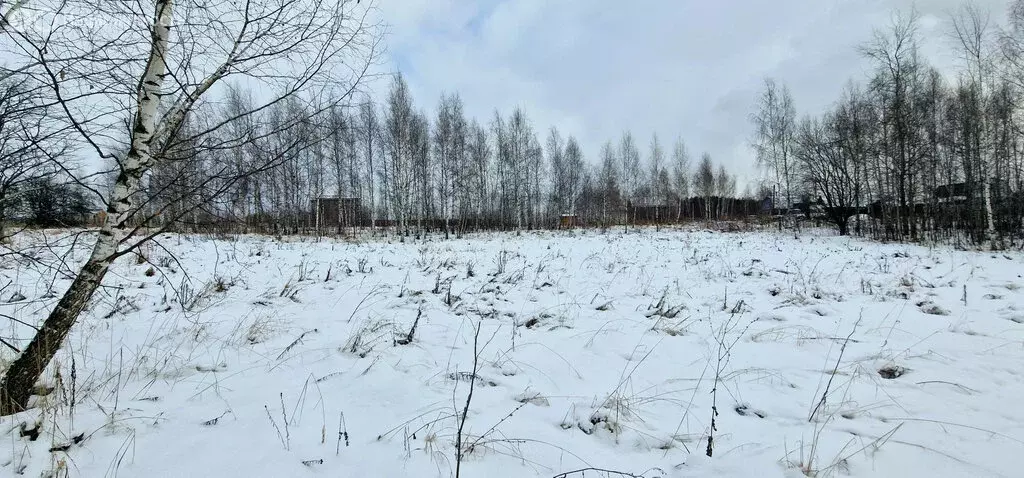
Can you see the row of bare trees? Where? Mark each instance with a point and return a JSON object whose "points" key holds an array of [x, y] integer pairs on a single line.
{"points": [[416, 173], [34, 188], [912, 154]]}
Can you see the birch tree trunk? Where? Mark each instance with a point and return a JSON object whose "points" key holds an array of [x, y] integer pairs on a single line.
{"points": [[17, 384]]}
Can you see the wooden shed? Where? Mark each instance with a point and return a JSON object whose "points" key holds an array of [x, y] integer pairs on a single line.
{"points": [[334, 212], [568, 221]]}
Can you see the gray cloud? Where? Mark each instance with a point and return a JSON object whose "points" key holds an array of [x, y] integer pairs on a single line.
{"points": [[689, 68]]}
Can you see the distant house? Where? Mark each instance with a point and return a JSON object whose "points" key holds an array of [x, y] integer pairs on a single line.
{"points": [[958, 193], [810, 207], [336, 213], [951, 193], [568, 221]]}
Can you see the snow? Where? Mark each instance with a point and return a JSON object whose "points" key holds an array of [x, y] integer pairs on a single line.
{"points": [[283, 357]]}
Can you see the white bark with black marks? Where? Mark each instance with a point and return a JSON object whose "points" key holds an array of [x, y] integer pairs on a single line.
{"points": [[17, 384]]}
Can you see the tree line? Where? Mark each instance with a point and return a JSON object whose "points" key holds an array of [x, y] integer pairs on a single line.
{"points": [[910, 153], [411, 173]]}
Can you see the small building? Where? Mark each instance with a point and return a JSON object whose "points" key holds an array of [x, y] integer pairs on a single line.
{"points": [[951, 193], [335, 212], [568, 221]]}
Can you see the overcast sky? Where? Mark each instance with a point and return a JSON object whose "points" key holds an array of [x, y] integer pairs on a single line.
{"points": [[690, 68]]}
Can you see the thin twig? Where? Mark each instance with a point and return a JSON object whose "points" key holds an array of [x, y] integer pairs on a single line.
{"points": [[583, 471], [835, 369], [469, 399]]}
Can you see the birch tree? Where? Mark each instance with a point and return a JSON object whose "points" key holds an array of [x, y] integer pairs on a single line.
{"points": [[723, 189], [339, 129], [479, 158], [245, 196], [559, 179], [422, 172], [973, 34], [680, 175], [459, 148], [369, 130], [608, 179], [774, 125], [896, 84], [288, 47], [449, 153], [574, 169], [658, 179], [629, 166], [397, 142], [704, 183], [505, 171]]}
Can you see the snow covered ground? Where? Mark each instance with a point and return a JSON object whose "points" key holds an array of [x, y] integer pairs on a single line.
{"points": [[295, 358]]}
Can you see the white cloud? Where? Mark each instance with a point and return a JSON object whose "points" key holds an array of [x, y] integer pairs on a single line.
{"points": [[676, 67]]}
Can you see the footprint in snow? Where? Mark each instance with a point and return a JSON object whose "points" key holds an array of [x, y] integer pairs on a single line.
{"points": [[744, 410], [771, 318], [819, 311], [932, 308], [533, 399], [212, 368], [892, 372]]}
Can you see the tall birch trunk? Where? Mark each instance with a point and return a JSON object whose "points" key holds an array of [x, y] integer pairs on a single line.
{"points": [[17, 384]]}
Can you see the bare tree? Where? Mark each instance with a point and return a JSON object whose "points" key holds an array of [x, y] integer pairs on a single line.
{"points": [[923, 159], [704, 182], [608, 182], [462, 180], [680, 175], [339, 131], [974, 36], [369, 129], [857, 130], [574, 169], [629, 168], [246, 196], [423, 172], [658, 179], [896, 56], [829, 167], [535, 185], [519, 160], [725, 187], [1011, 46], [449, 154], [289, 47], [479, 158], [352, 164], [559, 171], [31, 145], [774, 125], [505, 172], [399, 117]]}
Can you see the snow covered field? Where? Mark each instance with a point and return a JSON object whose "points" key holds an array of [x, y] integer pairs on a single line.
{"points": [[296, 358]]}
